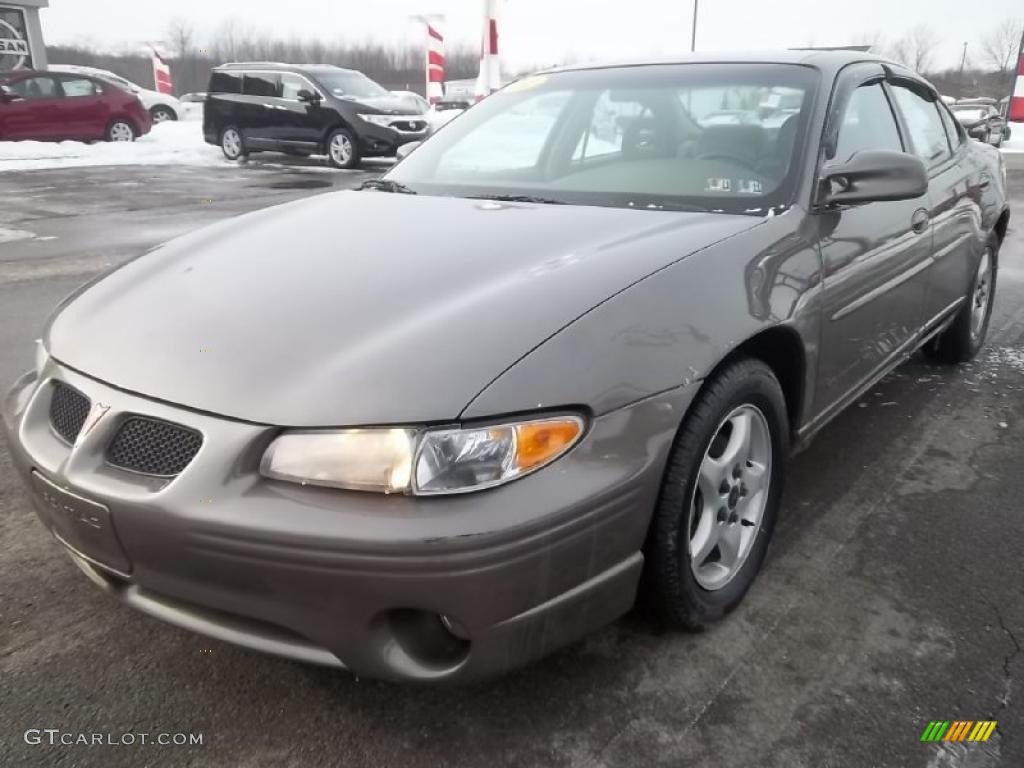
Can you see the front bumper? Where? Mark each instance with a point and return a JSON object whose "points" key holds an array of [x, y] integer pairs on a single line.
{"points": [[378, 141], [355, 579]]}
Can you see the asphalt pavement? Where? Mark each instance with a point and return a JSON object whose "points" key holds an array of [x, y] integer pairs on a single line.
{"points": [[893, 594]]}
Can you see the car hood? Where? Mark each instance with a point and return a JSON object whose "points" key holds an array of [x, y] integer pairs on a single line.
{"points": [[345, 309], [387, 105]]}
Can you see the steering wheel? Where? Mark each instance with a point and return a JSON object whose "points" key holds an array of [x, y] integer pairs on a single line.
{"points": [[747, 164]]}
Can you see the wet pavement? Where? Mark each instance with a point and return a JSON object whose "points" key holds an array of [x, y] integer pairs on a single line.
{"points": [[893, 594]]}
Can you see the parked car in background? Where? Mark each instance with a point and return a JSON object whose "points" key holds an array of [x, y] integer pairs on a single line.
{"points": [[161, 106], [982, 122], [306, 109], [435, 459], [53, 106]]}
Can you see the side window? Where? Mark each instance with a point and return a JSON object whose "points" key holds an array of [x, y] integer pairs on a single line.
{"points": [[954, 130], [36, 88], [225, 82], [291, 85], [924, 124], [868, 123], [78, 86], [262, 85]]}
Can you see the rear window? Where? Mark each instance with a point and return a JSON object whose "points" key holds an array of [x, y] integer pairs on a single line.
{"points": [[226, 82]]}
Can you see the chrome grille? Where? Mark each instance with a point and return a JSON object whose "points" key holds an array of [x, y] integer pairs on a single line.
{"points": [[68, 410], [153, 447]]}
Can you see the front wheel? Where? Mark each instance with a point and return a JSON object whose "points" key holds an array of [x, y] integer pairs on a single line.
{"points": [[120, 130], [342, 149], [966, 336], [162, 114], [719, 497]]}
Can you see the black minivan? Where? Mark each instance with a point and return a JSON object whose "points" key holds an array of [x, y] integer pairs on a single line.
{"points": [[306, 110]]}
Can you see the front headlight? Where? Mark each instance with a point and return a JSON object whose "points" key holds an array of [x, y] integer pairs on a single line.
{"points": [[427, 462], [384, 121]]}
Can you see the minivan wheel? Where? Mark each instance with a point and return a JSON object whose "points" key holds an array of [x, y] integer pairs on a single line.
{"points": [[162, 114], [719, 497], [342, 149], [120, 130], [966, 336], [231, 143]]}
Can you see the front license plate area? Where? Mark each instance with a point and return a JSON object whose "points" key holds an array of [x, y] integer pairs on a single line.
{"points": [[84, 525]]}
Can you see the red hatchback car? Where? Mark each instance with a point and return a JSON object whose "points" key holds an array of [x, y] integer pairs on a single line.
{"points": [[51, 106]]}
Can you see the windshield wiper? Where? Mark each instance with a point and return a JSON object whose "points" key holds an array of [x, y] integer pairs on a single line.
{"points": [[386, 185], [519, 199]]}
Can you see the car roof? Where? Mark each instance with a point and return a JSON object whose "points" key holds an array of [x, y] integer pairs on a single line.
{"points": [[829, 61], [277, 66], [21, 74]]}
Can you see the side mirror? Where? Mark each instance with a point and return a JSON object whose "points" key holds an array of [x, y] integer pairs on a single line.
{"points": [[404, 150], [308, 96], [874, 176]]}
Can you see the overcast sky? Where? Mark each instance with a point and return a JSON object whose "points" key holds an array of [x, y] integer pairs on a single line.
{"points": [[548, 31]]}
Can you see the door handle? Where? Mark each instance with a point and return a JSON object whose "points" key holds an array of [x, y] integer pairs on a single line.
{"points": [[919, 221]]}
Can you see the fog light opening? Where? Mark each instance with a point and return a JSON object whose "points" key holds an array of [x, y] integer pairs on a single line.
{"points": [[432, 642]]}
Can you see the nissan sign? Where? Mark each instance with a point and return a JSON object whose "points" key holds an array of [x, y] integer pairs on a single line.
{"points": [[14, 49]]}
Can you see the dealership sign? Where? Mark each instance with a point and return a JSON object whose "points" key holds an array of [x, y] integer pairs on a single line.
{"points": [[14, 49]]}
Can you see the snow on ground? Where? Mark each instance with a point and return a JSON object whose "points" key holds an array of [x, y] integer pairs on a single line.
{"points": [[1016, 142], [170, 143]]}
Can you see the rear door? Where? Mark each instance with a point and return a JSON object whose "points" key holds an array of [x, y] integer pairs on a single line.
{"points": [[36, 115], [874, 255], [259, 118], [955, 215], [83, 110]]}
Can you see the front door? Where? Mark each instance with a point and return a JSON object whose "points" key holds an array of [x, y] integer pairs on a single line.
{"points": [[874, 258]]}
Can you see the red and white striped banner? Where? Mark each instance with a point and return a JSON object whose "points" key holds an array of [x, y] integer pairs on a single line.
{"points": [[435, 63], [1016, 112], [489, 79], [162, 74]]}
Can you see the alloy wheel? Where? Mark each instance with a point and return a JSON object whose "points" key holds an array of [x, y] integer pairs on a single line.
{"points": [[231, 142], [341, 149], [729, 497], [121, 132], [982, 296]]}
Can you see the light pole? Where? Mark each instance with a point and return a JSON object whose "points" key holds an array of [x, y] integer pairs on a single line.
{"points": [[693, 36]]}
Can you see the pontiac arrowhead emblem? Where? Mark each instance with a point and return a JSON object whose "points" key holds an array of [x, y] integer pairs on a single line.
{"points": [[96, 413]]}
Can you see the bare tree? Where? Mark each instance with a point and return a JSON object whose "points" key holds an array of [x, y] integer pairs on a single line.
{"points": [[1000, 46], [915, 49], [180, 38]]}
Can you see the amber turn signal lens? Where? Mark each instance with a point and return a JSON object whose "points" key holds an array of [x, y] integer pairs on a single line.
{"points": [[540, 441]]}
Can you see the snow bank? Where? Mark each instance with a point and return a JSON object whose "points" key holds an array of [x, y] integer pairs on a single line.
{"points": [[1016, 142], [170, 143]]}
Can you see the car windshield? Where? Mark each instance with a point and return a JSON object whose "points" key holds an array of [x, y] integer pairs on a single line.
{"points": [[719, 137], [969, 113], [351, 85]]}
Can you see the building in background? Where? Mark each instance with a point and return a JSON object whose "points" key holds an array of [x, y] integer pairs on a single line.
{"points": [[21, 35]]}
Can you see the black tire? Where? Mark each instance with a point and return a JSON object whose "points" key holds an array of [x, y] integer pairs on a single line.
{"points": [[162, 114], [232, 143], [671, 588], [961, 341], [337, 158], [120, 129]]}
